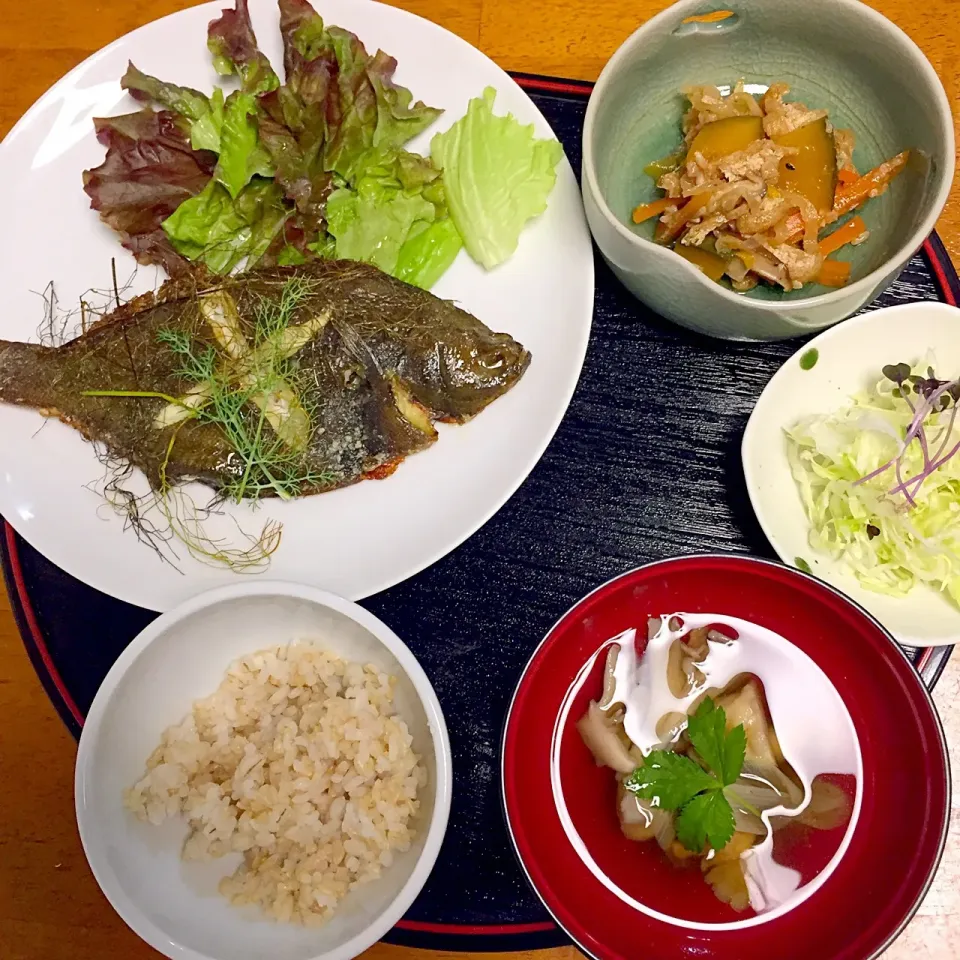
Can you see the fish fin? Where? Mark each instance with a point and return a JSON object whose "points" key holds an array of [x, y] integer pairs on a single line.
{"points": [[412, 411], [356, 345]]}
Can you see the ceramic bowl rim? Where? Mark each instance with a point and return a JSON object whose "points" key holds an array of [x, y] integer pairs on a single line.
{"points": [[761, 561], [128, 909], [904, 250]]}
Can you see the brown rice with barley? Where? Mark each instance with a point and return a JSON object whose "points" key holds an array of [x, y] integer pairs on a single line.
{"points": [[299, 762]]}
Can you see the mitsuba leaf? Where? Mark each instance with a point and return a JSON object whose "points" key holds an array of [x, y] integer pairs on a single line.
{"points": [[670, 778], [707, 817], [723, 752]]}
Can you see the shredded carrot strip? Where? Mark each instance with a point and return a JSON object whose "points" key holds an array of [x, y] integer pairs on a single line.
{"points": [[842, 236], [713, 17], [834, 273], [653, 209], [849, 196], [794, 223], [847, 175], [692, 208], [870, 184]]}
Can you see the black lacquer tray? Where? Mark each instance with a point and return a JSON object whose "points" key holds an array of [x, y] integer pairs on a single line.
{"points": [[645, 465]]}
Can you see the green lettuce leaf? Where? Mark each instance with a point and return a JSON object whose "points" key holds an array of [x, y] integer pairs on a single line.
{"points": [[399, 119], [335, 127], [205, 129], [372, 222], [396, 218], [227, 128], [428, 252], [186, 101], [407, 171], [325, 247], [231, 40], [374, 113], [497, 176], [352, 135], [309, 59], [241, 154], [292, 133], [221, 230], [290, 256], [303, 32]]}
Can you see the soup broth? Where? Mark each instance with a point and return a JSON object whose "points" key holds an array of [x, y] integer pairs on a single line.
{"points": [[684, 724]]}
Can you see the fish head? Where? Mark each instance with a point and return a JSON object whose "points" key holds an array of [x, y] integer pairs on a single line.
{"points": [[477, 366]]}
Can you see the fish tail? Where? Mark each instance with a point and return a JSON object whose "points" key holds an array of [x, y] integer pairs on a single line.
{"points": [[22, 378]]}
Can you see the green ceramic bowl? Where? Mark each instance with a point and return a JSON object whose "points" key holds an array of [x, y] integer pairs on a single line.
{"points": [[835, 54]]}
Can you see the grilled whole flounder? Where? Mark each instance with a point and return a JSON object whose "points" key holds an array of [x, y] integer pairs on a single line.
{"points": [[288, 381]]}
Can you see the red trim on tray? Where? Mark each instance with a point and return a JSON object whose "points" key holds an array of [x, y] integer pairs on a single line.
{"points": [[583, 87], [420, 926], [36, 635], [940, 271]]}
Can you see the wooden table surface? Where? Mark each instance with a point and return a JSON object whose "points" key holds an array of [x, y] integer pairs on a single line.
{"points": [[50, 906]]}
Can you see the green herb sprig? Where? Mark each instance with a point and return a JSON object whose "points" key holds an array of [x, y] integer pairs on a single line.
{"points": [[252, 391], [677, 782]]}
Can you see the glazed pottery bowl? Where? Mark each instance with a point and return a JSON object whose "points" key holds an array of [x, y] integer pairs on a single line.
{"points": [[835, 54]]}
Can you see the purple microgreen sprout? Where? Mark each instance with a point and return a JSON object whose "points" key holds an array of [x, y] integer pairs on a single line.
{"points": [[932, 396]]}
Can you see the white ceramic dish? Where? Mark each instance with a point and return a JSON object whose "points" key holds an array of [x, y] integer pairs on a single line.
{"points": [[179, 658], [850, 358], [354, 541]]}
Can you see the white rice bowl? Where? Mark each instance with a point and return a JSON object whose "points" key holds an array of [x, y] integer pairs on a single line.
{"points": [[324, 809]]}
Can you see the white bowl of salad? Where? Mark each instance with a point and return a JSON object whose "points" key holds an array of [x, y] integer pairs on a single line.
{"points": [[852, 463]]}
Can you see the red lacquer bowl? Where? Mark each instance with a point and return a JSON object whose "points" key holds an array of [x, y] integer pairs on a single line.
{"points": [[897, 840]]}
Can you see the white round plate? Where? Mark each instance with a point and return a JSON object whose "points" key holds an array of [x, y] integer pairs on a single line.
{"points": [[355, 541], [851, 356]]}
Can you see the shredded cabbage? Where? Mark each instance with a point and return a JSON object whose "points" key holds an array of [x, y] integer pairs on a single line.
{"points": [[887, 544]]}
